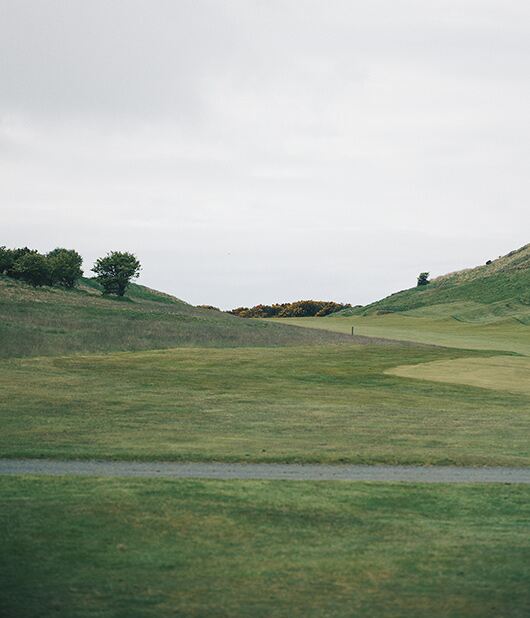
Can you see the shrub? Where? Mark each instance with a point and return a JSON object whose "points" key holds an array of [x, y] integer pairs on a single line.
{"points": [[115, 271], [11, 256], [423, 279], [65, 266], [6, 260], [33, 268], [298, 309]]}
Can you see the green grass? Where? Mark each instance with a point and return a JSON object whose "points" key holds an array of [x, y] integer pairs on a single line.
{"points": [[510, 373], [329, 404], [54, 321], [487, 292], [506, 335], [76, 548]]}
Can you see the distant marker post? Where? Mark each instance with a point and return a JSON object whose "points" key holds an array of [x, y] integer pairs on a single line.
{"points": [[352, 331]]}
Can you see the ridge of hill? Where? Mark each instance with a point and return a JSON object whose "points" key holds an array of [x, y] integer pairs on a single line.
{"points": [[57, 321], [492, 292]]}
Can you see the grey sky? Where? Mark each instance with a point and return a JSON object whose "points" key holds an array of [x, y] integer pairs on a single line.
{"points": [[262, 151]]}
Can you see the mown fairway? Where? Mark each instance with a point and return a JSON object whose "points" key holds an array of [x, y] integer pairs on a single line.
{"points": [[432, 325], [329, 404], [419, 326], [135, 548]]}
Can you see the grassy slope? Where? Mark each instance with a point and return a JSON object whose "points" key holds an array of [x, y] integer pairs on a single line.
{"points": [[486, 308], [329, 403], [483, 294], [75, 548], [52, 321]]}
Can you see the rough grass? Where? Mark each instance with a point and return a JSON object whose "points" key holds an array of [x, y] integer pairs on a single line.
{"points": [[54, 321], [500, 288], [329, 404], [75, 548]]}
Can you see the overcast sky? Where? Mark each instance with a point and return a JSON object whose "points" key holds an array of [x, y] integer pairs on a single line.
{"points": [[263, 151]]}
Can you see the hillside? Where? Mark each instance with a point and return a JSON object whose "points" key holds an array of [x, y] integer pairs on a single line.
{"points": [[489, 293], [55, 321]]}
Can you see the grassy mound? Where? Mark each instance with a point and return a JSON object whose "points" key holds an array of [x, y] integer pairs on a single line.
{"points": [[489, 293], [56, 321]]}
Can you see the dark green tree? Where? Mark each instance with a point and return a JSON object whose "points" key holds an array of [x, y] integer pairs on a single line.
{"points": [[6, 260], [423, 279], [33, 268], [115, 271], [10, 258], [65, 267]]}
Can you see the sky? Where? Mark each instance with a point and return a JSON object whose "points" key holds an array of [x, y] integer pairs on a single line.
{"points": [[267, 151]]}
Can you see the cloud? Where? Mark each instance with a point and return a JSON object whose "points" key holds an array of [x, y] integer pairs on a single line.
{"points": [[253, 151]]}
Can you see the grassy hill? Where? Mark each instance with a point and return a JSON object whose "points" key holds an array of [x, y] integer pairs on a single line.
{"points": [[485, 294], [56, 321], [487, 308]]}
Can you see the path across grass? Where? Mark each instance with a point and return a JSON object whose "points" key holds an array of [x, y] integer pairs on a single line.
{"points": [[292, 472]]}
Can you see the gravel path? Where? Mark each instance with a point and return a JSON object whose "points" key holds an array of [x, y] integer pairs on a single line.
{"points": [[295, 472]]}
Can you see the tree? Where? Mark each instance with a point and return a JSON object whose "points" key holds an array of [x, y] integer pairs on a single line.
{"points": [[9, 257], [65, 266], [33, 268], [115, 271], [6, 260], [423, 279]]}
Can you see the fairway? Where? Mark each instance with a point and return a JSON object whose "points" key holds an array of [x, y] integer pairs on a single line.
{"points": [[430, 325], [101, 547], [507, 335], [315, 404], [498, 372]]}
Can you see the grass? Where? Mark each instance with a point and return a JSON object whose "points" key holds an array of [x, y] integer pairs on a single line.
{"points": [[499, 288], [75, 548], [54, 321], [506, 335], [329, 404], [505, 372]]}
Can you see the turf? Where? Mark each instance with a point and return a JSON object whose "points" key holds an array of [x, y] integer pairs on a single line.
{"points": [[138, 548], [55, 321], [506, 335], [499, 372], [329, 404]]}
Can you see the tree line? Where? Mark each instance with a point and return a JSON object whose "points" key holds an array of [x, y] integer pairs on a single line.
{"points": [[298, 309], [63, 267]]}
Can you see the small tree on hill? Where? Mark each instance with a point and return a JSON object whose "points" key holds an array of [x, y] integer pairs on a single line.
{"points": [[65, 266], [33, 268], [423, 279], [115, 271]]}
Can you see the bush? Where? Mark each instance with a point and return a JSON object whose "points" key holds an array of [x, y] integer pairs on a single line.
{"points": [[6, 260], [298, 309], [8, 257], [115, 271], [33, 268], [65, 267], [423, 279]]}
